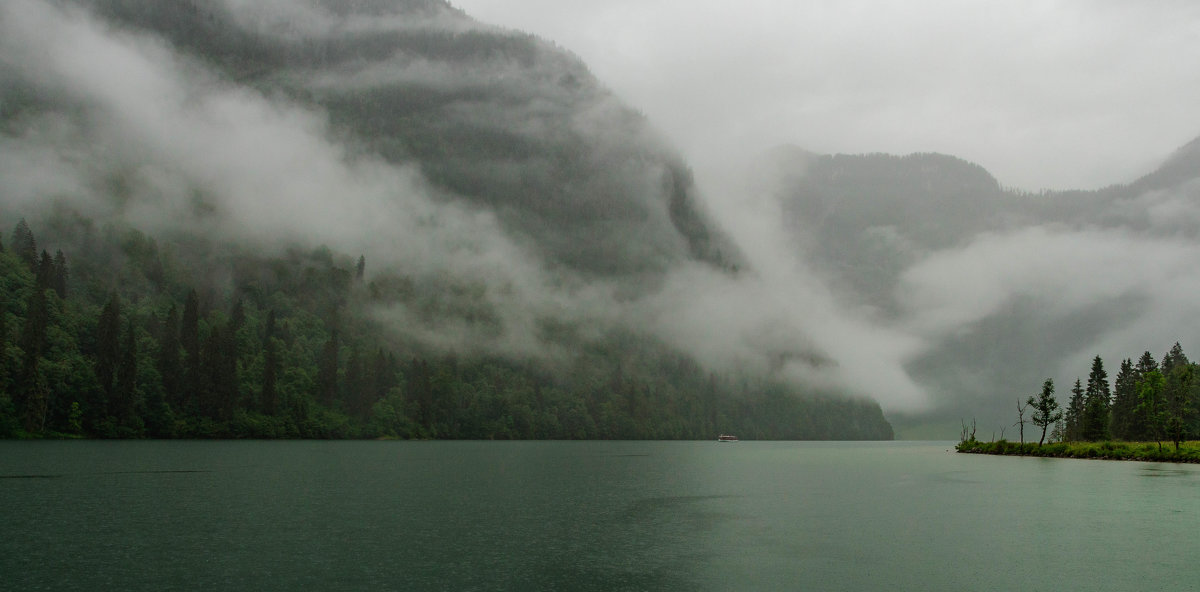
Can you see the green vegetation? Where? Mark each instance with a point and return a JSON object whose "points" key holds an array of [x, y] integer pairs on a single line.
{"points": [[122, 335], [1152, 403], [1145, 451]]}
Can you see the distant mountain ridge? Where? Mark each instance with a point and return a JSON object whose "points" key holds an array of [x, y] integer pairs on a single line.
{"points": [[877, 227]]}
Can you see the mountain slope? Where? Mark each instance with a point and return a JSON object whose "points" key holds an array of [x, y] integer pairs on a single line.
{"points": [[500, 119], [517, 247]]}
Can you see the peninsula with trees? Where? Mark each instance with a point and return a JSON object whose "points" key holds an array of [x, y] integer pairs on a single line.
{"points": [[1149, 404]]}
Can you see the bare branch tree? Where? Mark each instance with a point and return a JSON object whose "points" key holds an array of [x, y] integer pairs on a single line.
{"points": [[1021, 407]]}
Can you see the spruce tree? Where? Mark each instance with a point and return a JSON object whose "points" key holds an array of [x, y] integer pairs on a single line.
{"points": [[1177, 401], [327, 370], [1151, 406], [1097, 399], [268, 398], [108, 357], [24, 245], [1124, 401], [189, 341], [168, 362], [59, 279], [123, 402], [1076, 408], [356, 394], [45, 271], [30, 390], [1173, 359]]}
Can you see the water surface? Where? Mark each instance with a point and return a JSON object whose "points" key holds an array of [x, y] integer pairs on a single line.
{"points": [[586, 516]]}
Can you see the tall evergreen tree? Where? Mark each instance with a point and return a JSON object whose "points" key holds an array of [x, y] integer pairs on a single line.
{"points": [[1097, 399], [219, 392], [24, 245], [356, 394], [1146, 364], [1124, 402], [420, 391], [1151, 406], [30, 390], [268, 398], [1173, 359], [59, 279], [123, 403], [1076, 408], [237, 316], [189, 341], [327, 372], [1178, 389], [45, 271], [168, 362], [108, 357]]}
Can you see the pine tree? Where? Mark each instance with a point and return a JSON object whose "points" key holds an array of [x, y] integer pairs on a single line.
{"points": [[360, 268], [1097, 399], [59, 279], [1173, 359], [168, 362], [355, 390], [108, 357], [1146, 364], [1076, 407], [189, 341], [30, 390], [1124, 402], [218, 392], [1177, 400], [123, 401], [268, 398], [1151, 406], [237, 316], [327, 369], [45, 271], [24, 245]]}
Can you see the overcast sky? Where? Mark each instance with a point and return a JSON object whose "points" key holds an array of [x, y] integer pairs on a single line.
{"points": [[1072, 94]]}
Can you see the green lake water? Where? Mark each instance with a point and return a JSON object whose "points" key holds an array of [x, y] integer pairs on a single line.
{"points": [[566, 516]]}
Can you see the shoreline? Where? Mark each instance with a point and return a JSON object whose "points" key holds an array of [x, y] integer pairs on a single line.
{"points": [[1189, 452]]}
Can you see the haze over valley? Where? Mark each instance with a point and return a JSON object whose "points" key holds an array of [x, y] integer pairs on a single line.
{"points": [[511, 206]]}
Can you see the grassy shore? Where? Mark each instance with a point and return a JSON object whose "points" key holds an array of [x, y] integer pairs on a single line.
{"points": [[1189, 452]]}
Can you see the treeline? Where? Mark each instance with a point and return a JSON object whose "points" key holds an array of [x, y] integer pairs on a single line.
{"points": [[115, 336], [1149, 401]]}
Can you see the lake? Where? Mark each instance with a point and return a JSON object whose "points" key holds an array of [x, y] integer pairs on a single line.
{"points": [[305, 515]]}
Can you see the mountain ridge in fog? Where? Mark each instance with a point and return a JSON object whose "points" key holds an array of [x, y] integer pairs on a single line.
{"points": [[1006, 287], [500, 119], [527, 241]]}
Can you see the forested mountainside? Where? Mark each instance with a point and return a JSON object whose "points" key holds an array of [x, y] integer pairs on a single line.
{"points": [[320, 218], [499, 118], [127, 336]]}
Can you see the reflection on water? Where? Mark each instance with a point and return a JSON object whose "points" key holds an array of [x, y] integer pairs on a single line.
{"points": [[574, 516]]}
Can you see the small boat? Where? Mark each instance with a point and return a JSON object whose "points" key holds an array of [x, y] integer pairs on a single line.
{"points": [[727, 438]]}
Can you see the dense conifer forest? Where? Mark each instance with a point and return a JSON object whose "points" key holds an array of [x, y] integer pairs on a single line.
{"points": [[118, 334], [1148, 401]]}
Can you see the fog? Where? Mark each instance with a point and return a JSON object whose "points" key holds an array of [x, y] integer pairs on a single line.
{"points": [[973, 326], [1068, 94]]}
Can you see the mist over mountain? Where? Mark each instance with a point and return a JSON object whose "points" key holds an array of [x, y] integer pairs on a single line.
{"points": [[509, 206], [1001, 288]]}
